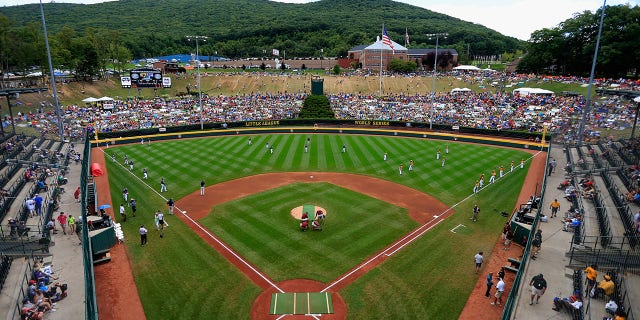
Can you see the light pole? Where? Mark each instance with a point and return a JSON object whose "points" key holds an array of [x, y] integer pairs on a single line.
{"points": [[196, 38], [435, 69], [587, 106], [53, 80]]}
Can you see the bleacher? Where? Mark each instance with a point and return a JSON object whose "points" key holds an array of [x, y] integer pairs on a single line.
{"points": [[5, 265], [43, 156], [614, 247], [578, 287]]}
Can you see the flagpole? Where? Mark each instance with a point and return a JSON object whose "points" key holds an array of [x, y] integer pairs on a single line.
{"points": [[380, 77], [380, 89]]}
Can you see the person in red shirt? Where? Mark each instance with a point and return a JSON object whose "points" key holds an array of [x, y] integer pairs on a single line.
{"points": [[62, 220], [76, 194]]}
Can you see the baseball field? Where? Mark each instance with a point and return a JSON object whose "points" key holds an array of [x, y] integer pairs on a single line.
{"points": [[393, 246]]}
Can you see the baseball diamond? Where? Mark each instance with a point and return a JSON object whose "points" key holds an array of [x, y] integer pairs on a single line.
{"points": [[241, 238]]}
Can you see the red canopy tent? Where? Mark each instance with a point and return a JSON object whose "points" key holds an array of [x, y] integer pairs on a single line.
{"points": [[96, 170]]}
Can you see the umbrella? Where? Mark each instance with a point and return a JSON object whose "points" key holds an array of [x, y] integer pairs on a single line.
{"points": [[90, 99], [104, 206]]}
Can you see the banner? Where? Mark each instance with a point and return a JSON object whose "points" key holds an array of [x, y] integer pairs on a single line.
{"points": [[276, 52], [125, 82], [166, 82]]}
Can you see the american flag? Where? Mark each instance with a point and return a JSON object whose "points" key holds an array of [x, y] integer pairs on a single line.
{"points": [[385, 38]]}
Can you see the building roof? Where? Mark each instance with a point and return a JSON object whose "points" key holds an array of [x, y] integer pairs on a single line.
{"points": [[359, 47], [410, 52], [378, 45]]}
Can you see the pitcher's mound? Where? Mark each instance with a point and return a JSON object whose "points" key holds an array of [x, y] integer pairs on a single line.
{"points": [[309, 208]]}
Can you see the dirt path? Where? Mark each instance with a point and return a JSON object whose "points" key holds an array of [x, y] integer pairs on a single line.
{"points": [[478, 304], [116, 291]]}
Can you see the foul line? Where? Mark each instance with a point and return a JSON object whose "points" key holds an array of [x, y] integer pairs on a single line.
{"points": [[384, 252], [411, 236], [275, 303], [214, 238], [456, 227], [326, 297]]}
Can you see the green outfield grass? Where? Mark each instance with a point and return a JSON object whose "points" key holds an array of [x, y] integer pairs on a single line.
{"points": [[431, 277]]}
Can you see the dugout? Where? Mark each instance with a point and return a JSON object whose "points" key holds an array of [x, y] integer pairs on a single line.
{"points": [[101, 242]]}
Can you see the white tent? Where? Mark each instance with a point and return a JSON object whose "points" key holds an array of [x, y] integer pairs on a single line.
{"points": [[454, 90], [105, 99], [90, 99], [467, 68], [532, 91]]}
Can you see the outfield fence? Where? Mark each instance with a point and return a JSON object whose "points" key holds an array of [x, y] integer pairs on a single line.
{"points": [[324, 123], [103, 139]]}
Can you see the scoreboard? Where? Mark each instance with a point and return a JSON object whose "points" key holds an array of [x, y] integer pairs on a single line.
{"points": [[145, 78]]}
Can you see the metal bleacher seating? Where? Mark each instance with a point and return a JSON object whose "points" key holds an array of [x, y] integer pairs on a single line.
{"points": [[5, 265]]}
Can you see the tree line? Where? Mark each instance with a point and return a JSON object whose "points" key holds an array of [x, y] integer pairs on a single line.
{"points": [[236, 29], [568, 48]]}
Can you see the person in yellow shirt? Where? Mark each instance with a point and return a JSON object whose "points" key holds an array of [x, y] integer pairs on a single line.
{"points": [[606, 286], [555, 206], [592, 274]]}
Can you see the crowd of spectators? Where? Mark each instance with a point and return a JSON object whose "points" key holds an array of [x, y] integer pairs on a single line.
{"points": [[485, 109], [43, 293]]}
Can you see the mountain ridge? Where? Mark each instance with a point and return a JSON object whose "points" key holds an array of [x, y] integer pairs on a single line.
{"points": [[245, 28]]}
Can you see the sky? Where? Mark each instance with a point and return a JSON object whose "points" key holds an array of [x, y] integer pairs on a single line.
{"points": [[516, 18]]}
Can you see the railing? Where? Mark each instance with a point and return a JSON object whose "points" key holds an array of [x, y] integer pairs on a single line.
{"points": [[628, 156], [603, 219], [583, 163], [588, 253], [5, 266], [91, 303], [577, 232], [623, 298], [595, 157], [623, 209]]}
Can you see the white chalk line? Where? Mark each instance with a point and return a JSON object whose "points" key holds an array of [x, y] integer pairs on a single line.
{"points": [[214, 238], [352, 271], [456, 227], [404, 244]]}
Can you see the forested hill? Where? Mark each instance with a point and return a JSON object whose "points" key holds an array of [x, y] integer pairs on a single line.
{"points": [[244, 28]]}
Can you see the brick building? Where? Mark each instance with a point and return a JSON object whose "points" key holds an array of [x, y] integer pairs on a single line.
{"points": [[369, 56]]}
